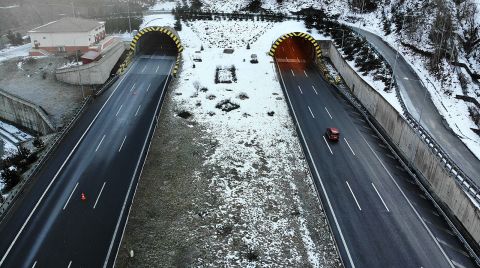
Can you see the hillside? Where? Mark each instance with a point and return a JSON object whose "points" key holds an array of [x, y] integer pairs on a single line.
{"points": [[23, 15], [439, 38]]}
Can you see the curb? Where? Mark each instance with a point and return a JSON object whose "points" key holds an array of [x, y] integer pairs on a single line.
{"points": [[27, 176]]}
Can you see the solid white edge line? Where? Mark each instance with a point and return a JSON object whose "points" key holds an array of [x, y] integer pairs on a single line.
{"points": [[356, 201], [58, 172], [316, 93], [410, 204], [311, 111], [388, 210], [70, 196], [149, 85], [69, 264], [131, 184], [121, 106], [292, 72], [138, 109], [121, 146], [99, 194], [318, 175], [328, 113], [327, 144], [98, 147], [349, 145]]}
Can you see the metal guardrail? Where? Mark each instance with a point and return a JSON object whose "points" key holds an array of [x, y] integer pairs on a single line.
{"points": [[463, 179], [465, 182], [18, 189], [107, 85]]}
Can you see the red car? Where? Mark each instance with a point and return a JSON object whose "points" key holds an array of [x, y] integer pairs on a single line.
{"points": [[333, 134]]}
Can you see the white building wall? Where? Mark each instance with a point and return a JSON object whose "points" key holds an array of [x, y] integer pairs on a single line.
{"points": [[60, 39], [66, 39]]}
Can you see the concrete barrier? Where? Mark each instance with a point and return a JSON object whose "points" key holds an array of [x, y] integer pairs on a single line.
{"points": [[44, 156], [24, 113], [420, 155], [95, 73]]}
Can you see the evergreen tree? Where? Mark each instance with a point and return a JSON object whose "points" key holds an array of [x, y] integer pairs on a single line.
{"points": [[178, 25], [10, 177]]}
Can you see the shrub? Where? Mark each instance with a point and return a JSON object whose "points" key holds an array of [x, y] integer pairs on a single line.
{"points": [[227, 106], [243, 96], [10, 177], [38, 142], [184, 114]]}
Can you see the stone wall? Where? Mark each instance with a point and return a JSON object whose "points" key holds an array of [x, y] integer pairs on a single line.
{"points": [[95, 73]]}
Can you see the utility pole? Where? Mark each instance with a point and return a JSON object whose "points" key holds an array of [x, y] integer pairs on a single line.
{"points": [[78, 68], [129, 22], [73, 10]]}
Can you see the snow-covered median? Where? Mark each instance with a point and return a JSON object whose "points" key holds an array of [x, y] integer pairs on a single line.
{"points": [[257, 167]]}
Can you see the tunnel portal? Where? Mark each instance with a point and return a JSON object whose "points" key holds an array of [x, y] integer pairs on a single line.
{"points": [[156, 41], [296, 47]]}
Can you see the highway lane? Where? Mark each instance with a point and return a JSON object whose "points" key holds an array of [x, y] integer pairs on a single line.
{"points": [[422, 107], [380, 218], [59, 229]]}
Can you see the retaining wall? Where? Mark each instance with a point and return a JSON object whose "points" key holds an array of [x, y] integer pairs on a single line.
{"points": [[24, 114], [418, 153], [95, 73]]}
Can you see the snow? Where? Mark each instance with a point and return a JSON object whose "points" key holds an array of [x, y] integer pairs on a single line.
{"points": [[158, 20], [19, 134], [11, 136], [379, 86], [125, 37], [453, 110], [9, 7], [259, 138], [14, 51], [70, 64], [8, 135], [163, 6]]}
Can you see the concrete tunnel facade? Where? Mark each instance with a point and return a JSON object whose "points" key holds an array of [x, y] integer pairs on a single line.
{"points": [[156, 37], [309, 48], [153, 40]]}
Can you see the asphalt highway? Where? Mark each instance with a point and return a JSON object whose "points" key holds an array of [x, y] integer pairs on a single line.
{"points": [[379, 216], [420, 105], [102, 157]]}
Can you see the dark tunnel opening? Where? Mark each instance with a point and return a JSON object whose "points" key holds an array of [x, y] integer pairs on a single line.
{"points": [[156, 43], [296, 49]]}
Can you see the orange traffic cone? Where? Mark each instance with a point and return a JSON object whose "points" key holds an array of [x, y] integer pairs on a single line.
{"points": [[83, 197]]}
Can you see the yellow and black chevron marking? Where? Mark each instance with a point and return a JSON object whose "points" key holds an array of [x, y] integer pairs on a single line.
{"points": [[125, 63], [318, 51], [177, 64], [166, 31]]}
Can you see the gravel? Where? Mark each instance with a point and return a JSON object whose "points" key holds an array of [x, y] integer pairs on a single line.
{"points": [[184, 215], [33, 79]]}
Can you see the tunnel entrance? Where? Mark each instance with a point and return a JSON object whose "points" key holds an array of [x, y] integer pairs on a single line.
{"points": [[296, 48], [156, 41]]}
